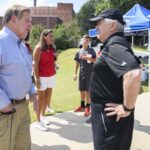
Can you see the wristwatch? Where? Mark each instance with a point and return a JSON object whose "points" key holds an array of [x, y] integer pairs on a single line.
{"points": [[127, 109]]}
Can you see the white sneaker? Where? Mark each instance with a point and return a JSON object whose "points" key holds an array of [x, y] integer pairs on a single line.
{"points": [[45, 121], [41, 126], [49, 110]]}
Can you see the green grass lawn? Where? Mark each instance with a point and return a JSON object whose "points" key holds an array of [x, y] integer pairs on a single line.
{"points": [[65, 95], [140, 48], [144, 86]]}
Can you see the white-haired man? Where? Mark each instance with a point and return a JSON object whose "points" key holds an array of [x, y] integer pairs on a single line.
{"points": [[114, 85]]}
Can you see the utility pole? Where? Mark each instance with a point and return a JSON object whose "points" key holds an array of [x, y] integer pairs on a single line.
{"points": [[149, 60], [34, 3], [48, 18]]}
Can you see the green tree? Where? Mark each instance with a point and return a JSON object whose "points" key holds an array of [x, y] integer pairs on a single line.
{"points": [[123, 5], [35, 35], [67, 35], [86, 12], [128, 4]]}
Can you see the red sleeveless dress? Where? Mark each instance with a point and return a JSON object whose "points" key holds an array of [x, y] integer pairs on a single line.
{"points": [[47, 63]]}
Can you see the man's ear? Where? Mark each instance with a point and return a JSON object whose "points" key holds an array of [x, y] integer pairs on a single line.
{"points": [[113, 26], [13, 18]]}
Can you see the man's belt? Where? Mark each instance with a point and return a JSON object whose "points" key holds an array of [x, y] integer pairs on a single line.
{"points": [[8, 113], [17, 101], [14, 102]]}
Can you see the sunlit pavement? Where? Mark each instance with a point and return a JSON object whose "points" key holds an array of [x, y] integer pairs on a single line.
{"points": [[69, 130]]}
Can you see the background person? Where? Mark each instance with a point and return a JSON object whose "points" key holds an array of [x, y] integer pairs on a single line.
{"points": [[44, 58], [85, 57], [28, 96], [114, 86], [144, 70], [15, 80]]}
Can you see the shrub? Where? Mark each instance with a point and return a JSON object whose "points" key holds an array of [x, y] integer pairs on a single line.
{"points": [[67, 36], [35, 35]]}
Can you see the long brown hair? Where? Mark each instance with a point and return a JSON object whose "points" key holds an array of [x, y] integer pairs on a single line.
{"points": [[42, 44]]}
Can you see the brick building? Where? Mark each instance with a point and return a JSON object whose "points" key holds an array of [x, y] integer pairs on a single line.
{"points": [[49, 17]]}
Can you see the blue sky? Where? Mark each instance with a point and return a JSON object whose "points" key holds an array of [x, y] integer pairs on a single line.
{"points": [[5, 3]]}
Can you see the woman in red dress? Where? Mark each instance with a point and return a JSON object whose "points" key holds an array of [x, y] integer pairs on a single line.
{"points": [[44, 57]]}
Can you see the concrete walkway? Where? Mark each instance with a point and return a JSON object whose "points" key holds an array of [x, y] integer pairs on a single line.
{"points": [[68, 131], [141, 136]]}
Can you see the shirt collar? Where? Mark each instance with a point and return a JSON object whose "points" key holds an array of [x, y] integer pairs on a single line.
{"points": [[109, 38], [11, 34]]}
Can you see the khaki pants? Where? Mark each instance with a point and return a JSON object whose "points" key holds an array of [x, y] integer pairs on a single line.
{"points": [[15, 129]]}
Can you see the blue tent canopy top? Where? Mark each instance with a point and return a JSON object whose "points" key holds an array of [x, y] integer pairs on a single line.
{"points": [[137, 19]]}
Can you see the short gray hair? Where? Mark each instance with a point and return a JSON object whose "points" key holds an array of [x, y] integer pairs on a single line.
{"points": [[119, 26], [16, 10]]}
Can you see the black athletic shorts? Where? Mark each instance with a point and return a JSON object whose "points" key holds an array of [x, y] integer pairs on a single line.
{"points": [[84, 82]]}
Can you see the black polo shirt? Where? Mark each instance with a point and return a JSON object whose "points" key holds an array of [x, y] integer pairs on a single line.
{"points": [[116, 59]]}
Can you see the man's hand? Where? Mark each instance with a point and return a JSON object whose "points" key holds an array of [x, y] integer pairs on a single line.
{"points": [[75, 77], [8, 108], [33, 98], [116, 109]]}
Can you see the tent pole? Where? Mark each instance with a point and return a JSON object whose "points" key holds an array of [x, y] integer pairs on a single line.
{"points": [[149, 59], [144, 40], [132, 42]]}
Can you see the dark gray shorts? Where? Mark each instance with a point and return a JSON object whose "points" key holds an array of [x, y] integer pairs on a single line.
{"points": [[84, 82]]}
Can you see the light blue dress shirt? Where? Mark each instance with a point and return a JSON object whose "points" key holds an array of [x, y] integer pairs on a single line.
{"points": [[15, 68]]}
